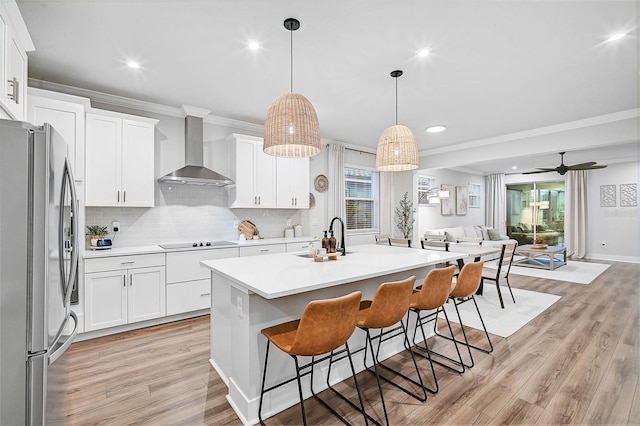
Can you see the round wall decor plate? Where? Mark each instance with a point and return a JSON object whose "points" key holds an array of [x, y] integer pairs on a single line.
{"points": [[312, 200], [321, 183]]}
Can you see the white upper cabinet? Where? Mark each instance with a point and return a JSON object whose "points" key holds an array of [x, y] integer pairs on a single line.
{"points": [[253, 172], [292, 179], [119, 160], [14, 44], [66, 114]]}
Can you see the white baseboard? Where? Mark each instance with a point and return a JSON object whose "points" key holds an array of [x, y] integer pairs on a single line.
{"points": [[142, 324], [612, 258]]}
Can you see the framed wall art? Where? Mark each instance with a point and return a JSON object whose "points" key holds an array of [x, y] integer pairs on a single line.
{"points": [[628, 195], [462, 200], [447, 205], [607, 195]]}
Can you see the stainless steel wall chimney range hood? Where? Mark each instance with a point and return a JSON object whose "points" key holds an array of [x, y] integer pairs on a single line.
{"points": [[194, 172]]}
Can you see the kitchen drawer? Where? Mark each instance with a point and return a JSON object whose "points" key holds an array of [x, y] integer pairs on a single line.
{"points": [[114, 263], [259, 250], [188, 296], [293, 247], [185, 265]]}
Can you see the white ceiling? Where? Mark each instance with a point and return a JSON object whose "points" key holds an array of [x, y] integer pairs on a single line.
{"points": [[500, 70]]}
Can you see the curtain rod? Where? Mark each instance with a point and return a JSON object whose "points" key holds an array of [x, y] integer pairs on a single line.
{"points": [[357, 150]]}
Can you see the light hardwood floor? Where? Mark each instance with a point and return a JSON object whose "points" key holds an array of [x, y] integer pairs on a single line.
{"points": [[576, 363]]}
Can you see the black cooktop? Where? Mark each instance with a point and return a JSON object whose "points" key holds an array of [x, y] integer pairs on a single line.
{"points": [[198, 244]]}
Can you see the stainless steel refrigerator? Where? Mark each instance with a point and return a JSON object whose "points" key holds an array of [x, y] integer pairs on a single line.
{"points": [[38, 265]]}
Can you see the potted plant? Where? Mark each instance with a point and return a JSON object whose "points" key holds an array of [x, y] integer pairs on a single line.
{"points": [[95, 233], [404, 217]]}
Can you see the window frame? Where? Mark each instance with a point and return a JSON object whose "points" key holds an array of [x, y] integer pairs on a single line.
{"points": [[375, 190]]}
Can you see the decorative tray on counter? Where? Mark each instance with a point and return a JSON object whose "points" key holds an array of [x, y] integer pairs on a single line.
{"points": [[325, 257]]}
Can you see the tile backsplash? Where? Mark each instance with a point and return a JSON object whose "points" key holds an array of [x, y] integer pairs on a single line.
{"points": [[187, 213]]}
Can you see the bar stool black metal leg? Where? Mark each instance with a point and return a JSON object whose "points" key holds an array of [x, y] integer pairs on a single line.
{"points": [[264, 377]]}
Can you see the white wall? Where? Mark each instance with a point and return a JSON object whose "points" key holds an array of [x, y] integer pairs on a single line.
{"points": [[616, 226], [429, 217]]}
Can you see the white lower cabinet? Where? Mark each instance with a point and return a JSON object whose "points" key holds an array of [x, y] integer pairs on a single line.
{"points": [[294, 247], [188, 283], [124, 289], [262, 249]]}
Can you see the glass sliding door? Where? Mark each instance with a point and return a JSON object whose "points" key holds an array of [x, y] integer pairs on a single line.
{"points": [[535, 213]]}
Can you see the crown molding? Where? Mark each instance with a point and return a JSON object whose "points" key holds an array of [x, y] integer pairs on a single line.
{"points": [[541, 131], [124, 102]]}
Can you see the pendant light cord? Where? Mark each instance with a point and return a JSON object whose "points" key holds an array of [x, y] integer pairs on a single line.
{"points": [[291, 60], [396, 78]]}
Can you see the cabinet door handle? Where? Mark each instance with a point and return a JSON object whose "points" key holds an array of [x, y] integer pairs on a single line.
{"points": [[118, 196], [259, 200], [205, 294], [15, 90], [124, 196], [255, 199], [296, 201], [124, 280], [130, 279]]}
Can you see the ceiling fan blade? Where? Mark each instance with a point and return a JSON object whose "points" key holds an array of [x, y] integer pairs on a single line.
{"points": [[540, 171], [582, 166], [595, 167]]}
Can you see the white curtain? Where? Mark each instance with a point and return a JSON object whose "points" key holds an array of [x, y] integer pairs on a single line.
{"points": [[496, 202], [576, 214], [335, 193], [386, 203]]}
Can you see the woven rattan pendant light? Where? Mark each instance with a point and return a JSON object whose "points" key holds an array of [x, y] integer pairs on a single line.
{"points": [[291, 128], [397, 147]]}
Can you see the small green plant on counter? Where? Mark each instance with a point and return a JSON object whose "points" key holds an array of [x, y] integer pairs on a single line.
{"points": [[97, 230], [404, 216]]}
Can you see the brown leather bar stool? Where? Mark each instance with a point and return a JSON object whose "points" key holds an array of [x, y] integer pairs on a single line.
{"points": [[325, 325], [466, 285], [389, 306], [427, 303]]}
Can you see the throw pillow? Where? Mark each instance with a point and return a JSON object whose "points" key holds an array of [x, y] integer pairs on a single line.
{"points": [[539, 228], [494, 235], [450, 237]]}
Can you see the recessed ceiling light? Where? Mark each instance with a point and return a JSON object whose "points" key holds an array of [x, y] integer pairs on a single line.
{"points": [[514, 167], [253, 45], [424, 52], [133, 64], [616, 37], [435, 129]]}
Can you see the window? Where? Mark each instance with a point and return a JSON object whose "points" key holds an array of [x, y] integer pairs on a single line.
{"points": [[474, 195], [361, 198], [426, 185]]}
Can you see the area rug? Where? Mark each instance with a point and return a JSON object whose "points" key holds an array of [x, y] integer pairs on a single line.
{"points": [[574, 272], [502, 322]]}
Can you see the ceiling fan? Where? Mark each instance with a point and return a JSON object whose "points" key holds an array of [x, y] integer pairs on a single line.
{"points": [[562, 168]]}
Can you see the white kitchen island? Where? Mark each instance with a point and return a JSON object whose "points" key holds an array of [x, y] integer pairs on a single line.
{"points": [[249, 294]]}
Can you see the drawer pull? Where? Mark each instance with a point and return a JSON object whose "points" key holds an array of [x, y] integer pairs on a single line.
{"points": [[264, 250], [205, 294], [130, 262]]}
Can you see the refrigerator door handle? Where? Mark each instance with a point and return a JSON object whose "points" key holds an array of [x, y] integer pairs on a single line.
{"points": [[57, 353], [67, 285]]}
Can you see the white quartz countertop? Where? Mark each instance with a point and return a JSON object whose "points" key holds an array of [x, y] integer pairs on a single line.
{"points": [[133, 250], [285, 274]]}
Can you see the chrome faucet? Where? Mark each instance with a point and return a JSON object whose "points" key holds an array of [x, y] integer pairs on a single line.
{"points": [[342, 248]]}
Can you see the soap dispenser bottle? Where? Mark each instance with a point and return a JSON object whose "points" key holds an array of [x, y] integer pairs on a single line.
{"points": [[325, 242], [332, 243]]}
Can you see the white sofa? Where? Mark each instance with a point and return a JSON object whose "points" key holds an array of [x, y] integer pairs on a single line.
{"points": [[468, 234]]}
